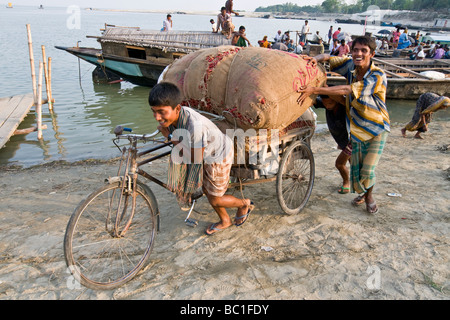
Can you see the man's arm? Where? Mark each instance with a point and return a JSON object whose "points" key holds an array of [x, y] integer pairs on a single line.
{"points": [[329, 91]]}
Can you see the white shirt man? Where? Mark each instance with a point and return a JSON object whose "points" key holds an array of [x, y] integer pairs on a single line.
{"points": [[305, 32], [278, 36], [168, 23]]}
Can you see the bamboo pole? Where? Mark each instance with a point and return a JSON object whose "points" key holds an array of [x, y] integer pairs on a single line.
{"points": [[39, 102], [50, 97], [33, 72], [44, 62], [401, 68]]}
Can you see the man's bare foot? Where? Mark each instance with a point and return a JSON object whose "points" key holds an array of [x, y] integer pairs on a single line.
{"points": [[418, 136], [404, 133]]}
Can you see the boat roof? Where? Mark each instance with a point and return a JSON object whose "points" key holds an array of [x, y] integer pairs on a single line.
{"points": [[178, 41]]}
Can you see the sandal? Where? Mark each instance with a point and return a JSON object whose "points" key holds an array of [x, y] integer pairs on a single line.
{"points": [[245, 216], [213, 227], [343, 190], [358, 200]]}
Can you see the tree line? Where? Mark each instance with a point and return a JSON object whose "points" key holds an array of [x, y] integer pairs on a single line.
{"points": [[340, 6]]}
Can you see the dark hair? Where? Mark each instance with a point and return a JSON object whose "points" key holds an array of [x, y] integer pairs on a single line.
{"points": [[164, 94], [365, 41], [169, 16], [223, 8], [241, 28]]}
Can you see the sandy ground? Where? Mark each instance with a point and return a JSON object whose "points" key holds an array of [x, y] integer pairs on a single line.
{"points": [[330, 251]]}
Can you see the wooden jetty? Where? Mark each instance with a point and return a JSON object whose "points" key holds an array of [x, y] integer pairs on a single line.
{"points": [[12, 112]]}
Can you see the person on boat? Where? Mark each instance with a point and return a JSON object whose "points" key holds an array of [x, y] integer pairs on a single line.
{"points": [[225, 23], [418, 35], [278, 37], [403, 41], [336, 122], [291, 45], [316, 38], [330, 35], [418, 54], [439, 53], [334, 47], [426, 104], [285, 38], [321, 46], [239, 39], [213, 25], [335, 35], [229, 7], [367, 114], [168, 23], [343, 49], [396, 35], [206, 156], [264, 43], [305, 32]]}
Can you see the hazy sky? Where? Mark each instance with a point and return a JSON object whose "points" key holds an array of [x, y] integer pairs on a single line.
{"points": [[172, 5]]}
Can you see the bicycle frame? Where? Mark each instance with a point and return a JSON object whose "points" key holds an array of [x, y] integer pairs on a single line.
{"points": [[129, 177]]}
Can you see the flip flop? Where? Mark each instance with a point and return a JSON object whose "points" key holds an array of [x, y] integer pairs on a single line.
{"points": [[344, 190], [358, 200], [213, 227], [372, 208], [250, 209]]}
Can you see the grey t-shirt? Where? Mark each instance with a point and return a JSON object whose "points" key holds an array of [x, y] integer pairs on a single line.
{"points": [[203, 133]]}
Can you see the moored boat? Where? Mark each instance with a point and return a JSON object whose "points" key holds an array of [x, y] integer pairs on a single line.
{"points": [[140, 56], [409, 79]]}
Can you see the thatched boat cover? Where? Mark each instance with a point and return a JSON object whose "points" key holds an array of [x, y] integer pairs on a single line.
{"points": [[178, 41]]}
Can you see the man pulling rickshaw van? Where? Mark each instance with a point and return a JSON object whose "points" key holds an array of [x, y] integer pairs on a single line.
{"points": [[207, 156]]}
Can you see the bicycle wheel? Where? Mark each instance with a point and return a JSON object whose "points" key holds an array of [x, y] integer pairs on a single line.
{"points": [[295, 178], [99, 254]]}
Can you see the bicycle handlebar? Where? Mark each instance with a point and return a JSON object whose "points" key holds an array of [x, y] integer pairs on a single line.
{"points": [[144, 137]]}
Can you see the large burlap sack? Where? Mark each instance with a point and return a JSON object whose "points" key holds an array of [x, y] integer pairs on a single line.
{"points": [[251, 87]]}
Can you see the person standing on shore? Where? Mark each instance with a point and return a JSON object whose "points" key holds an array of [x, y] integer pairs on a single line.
{"points": [[336, 115], [367, 114], [168, 23]]}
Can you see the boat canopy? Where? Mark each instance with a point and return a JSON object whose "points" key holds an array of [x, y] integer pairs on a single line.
{"points": [[174, 41]]}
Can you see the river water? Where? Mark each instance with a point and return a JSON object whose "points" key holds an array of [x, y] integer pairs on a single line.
{"points": [[86, 113]]}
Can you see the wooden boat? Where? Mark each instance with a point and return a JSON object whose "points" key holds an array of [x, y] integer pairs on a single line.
{"points": [[408, 79], [140, 56]]}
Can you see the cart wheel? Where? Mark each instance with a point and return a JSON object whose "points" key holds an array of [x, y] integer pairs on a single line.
{"points": [[295, 178]]}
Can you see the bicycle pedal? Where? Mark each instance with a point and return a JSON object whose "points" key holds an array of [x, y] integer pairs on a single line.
{"points": [[191, 223]]}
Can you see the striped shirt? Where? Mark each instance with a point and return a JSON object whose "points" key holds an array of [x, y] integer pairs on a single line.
{"points": [[367, 114]]}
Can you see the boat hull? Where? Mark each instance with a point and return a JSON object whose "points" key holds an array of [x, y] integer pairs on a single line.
{"points": [[137, 71]]}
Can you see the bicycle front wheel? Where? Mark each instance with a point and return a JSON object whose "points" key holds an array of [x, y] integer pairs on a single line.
{"points": [[295, 178], [106, 243]]}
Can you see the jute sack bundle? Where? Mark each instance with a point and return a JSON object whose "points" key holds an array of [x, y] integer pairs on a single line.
{"points": [[251, 87]]}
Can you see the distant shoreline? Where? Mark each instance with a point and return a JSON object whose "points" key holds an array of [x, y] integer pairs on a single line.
{"points": [[410, 19]]}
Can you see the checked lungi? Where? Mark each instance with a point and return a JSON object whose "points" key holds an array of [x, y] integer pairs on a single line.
{"points": [[365, 157]]}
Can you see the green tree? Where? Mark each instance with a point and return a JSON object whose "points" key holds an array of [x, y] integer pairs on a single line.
{"points": [[332, 5]]}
